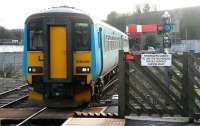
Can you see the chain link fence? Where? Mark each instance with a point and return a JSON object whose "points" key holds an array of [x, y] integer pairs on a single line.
{"points": [[11, 64]]}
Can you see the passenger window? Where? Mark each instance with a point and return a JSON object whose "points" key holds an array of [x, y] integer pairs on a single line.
{"points": [[121, 43], [105, 42]]}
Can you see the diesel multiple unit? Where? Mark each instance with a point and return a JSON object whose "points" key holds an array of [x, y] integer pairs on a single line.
{"points": [[68, 55]]}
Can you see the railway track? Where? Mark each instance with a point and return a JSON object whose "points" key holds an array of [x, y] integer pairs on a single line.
{"points": [[12, 100], [51, 116], [110, 85], [31, 117], [110, 88], [13, 96]]}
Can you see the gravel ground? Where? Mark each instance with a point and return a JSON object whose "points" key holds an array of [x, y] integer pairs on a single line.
{"points": [[10, 83]]}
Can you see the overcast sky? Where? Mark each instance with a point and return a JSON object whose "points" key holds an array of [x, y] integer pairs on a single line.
{"points": [[14, 12]]}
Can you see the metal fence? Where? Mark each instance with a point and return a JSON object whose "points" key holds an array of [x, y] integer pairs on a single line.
{"points": [[171, 90], [186, 45], [10, 64]]}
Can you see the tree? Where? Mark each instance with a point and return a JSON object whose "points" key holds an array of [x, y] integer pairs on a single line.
{"points": [[138, 9], [112, 16], [11, 34], [151, 41], [189, 24], [4, 33], [118, 20], [189, 19], [155, 8], [17, 34], [146, 8]]}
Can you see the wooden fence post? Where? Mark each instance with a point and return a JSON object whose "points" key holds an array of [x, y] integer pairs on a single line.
{"points": [[121, 77], [127, 82], [191, 93], [188, 88]]}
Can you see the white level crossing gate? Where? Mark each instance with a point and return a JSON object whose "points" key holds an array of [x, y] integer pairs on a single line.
{"points": [[144, 88]]}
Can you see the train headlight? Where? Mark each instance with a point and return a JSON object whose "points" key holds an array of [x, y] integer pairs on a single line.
{"points": [[29, 69], [83, 69], [35, 69]]}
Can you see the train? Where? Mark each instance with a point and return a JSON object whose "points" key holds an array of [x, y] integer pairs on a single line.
{"points": [[69, 55]]}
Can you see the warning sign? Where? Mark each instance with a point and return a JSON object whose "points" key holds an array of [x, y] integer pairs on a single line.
{"points": [[156, 59]]}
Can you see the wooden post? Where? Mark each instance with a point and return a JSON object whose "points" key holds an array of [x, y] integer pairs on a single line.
{"points": [[184, 84], [187, 91], [121, 77], [191, 93], [127, 82]]}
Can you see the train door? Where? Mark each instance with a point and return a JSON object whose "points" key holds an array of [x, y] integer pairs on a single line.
{"points": [[58, 52]]}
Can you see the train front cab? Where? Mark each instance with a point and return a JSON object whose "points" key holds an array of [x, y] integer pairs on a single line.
{"points": [[58, 59]]}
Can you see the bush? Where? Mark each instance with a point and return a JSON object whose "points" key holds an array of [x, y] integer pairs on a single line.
{"points": [[151, 41]]}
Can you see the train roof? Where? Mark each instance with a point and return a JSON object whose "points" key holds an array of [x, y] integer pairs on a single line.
{"points": [[109, 26], [63, 9], [67, 9]]}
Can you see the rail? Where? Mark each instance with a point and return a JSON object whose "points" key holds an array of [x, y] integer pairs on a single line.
{"points": [[31, 116], [13, 90], [13, 96], [14, 101]]}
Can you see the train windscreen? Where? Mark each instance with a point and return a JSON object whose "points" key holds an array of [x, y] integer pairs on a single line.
{"points": [[81, 36], [36, 36]]}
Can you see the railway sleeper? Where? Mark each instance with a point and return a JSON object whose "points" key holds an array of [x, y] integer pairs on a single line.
{"points": [[95, 115]]}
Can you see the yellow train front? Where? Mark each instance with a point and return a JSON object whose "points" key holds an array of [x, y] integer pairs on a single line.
{"points": [[63, 56]]}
